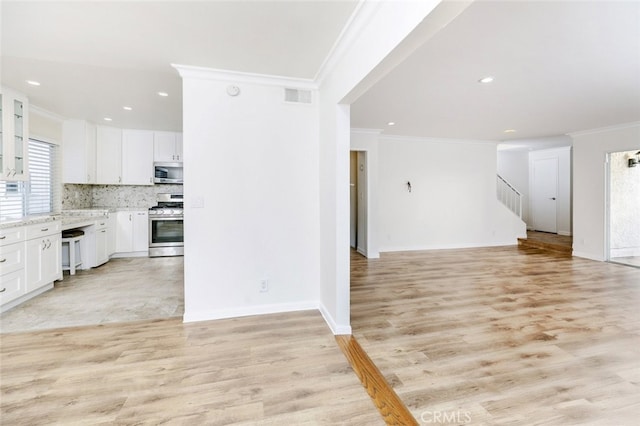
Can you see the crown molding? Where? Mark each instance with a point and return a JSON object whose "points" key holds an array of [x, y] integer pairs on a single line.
{"points": [[366, 131], [420, 139], [605, 129], [202, 73], [361, 16]]}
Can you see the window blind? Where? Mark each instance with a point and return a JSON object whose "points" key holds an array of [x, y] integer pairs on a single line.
{"points": [[41, 193]]}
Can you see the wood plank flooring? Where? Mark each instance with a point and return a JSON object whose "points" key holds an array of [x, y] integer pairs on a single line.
{"points": [[502, 335], [392, 409], [283, 369]]}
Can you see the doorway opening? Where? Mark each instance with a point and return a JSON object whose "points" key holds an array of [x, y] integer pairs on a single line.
{"points": [[623, 209], [358, 201]]}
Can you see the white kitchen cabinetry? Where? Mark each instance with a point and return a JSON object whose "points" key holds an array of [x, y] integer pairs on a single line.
{"points": [[132, 235], [102, 241], [14, 135], [112, 225], [167, 146], [137, 157], [78, 152], [43, 260], [12, 263], [109, 155]]}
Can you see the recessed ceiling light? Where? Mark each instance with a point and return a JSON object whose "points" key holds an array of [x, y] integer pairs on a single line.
{"points": [[108, 119], [510, 131], [163, 94], [33, 82], [127, 108], [391, 123], [487, 79]]}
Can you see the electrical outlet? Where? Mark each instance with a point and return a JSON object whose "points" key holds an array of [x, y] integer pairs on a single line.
{"points": [[264, 286]]}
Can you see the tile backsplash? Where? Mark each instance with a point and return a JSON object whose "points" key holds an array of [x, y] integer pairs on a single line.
{"points": [[119, 196], [76, 196]]}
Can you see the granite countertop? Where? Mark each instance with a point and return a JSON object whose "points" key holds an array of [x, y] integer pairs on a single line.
{"points": [[29, 220], [68, 217]]}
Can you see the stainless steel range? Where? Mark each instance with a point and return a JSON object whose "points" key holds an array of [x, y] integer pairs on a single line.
{"points": [[166, 226]]}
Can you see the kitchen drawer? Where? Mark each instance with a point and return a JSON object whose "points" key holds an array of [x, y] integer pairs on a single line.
{"points": [[11, 258], [102, 223], [11, 286], [43, 229], [11, 235]]}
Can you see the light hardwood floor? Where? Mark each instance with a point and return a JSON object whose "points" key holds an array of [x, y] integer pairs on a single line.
{"points": [[502, 335], [484, 336], [269, 370]]}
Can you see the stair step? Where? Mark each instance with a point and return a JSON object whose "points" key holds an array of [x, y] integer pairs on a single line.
{"points": [[556, 248]]}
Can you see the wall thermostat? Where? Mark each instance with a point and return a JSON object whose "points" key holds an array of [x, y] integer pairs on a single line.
{"points": [[233, 90]]}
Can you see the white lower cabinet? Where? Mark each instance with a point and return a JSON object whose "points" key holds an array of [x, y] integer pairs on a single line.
{"points": [[30, 260], [132, 234], [44, 262], [12, 255], [112, 225], [102, 242]]}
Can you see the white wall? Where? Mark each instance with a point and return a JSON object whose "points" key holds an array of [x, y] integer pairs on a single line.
{"points": [[513, 166], [590, 150], [563, 204], [252, 223], [624, 187], [44, 125], [452, 203], [251, 197]]}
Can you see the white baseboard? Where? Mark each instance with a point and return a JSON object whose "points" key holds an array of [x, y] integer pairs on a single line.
{"points": [[565, 233], [249, 311], [130, 254], [336, 329], [449, 246], [25, 297]]}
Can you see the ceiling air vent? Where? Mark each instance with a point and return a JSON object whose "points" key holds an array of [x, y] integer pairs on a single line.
{"points": [[297, 95]]}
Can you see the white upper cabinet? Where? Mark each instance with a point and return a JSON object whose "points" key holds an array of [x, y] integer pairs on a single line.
{"points": [[109, 155], [137, 157], [167, 146], [79, 152], [14, 135]]}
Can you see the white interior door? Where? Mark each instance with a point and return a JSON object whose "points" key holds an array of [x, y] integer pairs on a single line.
{"points": [[361, 187], [353, 191], [545, 194]]}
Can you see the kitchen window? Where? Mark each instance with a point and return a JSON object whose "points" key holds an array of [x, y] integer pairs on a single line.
{"points": [[41, 193]]}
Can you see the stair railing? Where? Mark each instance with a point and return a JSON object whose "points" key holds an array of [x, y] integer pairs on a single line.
{"points": [[509, 196]]}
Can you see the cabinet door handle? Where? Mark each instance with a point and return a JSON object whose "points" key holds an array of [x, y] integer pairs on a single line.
{"points": [[3, 260], [103, 231], [48, 243], [119, 179], [44, 229], [44, 245], [129, 217], [3, 237], [3, 290]]}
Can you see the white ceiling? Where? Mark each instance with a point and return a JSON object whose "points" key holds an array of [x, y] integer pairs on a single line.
{"points": [[92, 58], [559, 66]]}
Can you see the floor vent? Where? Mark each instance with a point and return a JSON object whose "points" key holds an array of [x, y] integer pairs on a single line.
{"points": [[297, 95]]}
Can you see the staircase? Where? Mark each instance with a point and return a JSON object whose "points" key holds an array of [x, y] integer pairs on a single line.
{"points": [[558, 244], [509, 196]]}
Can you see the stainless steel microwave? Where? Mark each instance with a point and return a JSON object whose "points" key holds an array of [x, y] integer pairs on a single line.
{"points": [[168, 173]]}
